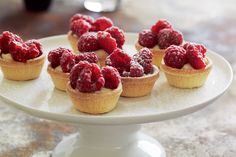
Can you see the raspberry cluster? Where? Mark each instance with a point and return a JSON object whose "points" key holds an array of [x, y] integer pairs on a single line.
{"points": [[96, 34], [20, 51], [88, 77], [127, 66], [162, 34], [66, 59], [192, 53]]}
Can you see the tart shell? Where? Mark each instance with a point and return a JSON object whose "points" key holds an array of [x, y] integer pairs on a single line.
{"points": [[186, 78], [19, 71], [97, 102], [73, 40], [60, 79], [139, 86]]}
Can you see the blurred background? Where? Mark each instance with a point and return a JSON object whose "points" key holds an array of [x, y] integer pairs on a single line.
{"points": [[208, 133]]}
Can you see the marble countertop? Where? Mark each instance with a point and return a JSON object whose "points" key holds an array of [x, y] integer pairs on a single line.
{"points": [[210, 132]]}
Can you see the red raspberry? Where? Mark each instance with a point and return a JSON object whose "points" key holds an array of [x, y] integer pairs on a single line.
{"points": [[75, 72], [18, 51], [195, 57], [106, 41], [87, 18], [54, 56], [159, 25], [34, 49], [67, 61], [80, 27], [102, 23], [175, 56], [119, 60], [136, 70], [167, 37], [111, 76], [5, 40], [88, 42], [86, 77], [188, 46], [118, 34], [91, 57], [147, 38], [144, 58]]}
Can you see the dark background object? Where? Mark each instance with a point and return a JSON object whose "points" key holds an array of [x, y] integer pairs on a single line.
{"points": [[37, 5]]}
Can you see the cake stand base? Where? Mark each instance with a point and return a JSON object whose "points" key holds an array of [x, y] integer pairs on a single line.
{"points": [[109, 141]]}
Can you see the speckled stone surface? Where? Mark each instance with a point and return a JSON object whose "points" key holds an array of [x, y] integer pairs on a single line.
{"points": [[210, 132]]}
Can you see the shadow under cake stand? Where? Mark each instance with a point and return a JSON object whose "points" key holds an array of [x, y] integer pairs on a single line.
{"points": [[115, 134]]}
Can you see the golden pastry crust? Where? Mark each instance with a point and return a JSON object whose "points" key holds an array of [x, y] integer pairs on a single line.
{"points": [[186, 78], [73, 40], [20, 71], [97, 102], [157, 54], [139, 86], [60, 79]]}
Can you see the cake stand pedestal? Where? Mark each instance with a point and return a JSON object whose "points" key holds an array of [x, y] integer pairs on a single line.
{"points": [[109, 141]]}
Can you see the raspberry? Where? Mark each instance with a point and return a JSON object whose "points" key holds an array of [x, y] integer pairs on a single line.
{"points": [[102, 23], [106, 41], [117, 34], [111, 76], [5, 40], [34, 49], [18, 51], [188, 46], [80, 27], [67, 61], [147, 38], [167, 37], [87, 18], [195, 57], [136, 70], [54, 56], [86, 77], [159, 25], [144, 58], [91, 57], [75, 72], [175, 56], [88, 42], [119, 60]]}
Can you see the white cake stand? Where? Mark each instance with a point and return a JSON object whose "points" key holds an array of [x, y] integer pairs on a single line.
{"points": [[115, 134]]}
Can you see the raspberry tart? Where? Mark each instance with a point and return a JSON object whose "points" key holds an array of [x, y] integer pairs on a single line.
{"points": [[186, 66], [93, 90], [61, 62], [20, 60], [158, 38], [138, 75]]}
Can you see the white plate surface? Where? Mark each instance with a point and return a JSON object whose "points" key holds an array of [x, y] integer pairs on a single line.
{"points": [[39, 98]]}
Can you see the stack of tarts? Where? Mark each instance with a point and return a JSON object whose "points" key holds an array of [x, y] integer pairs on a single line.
{"points": [[94, 35], [19, 60]]}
